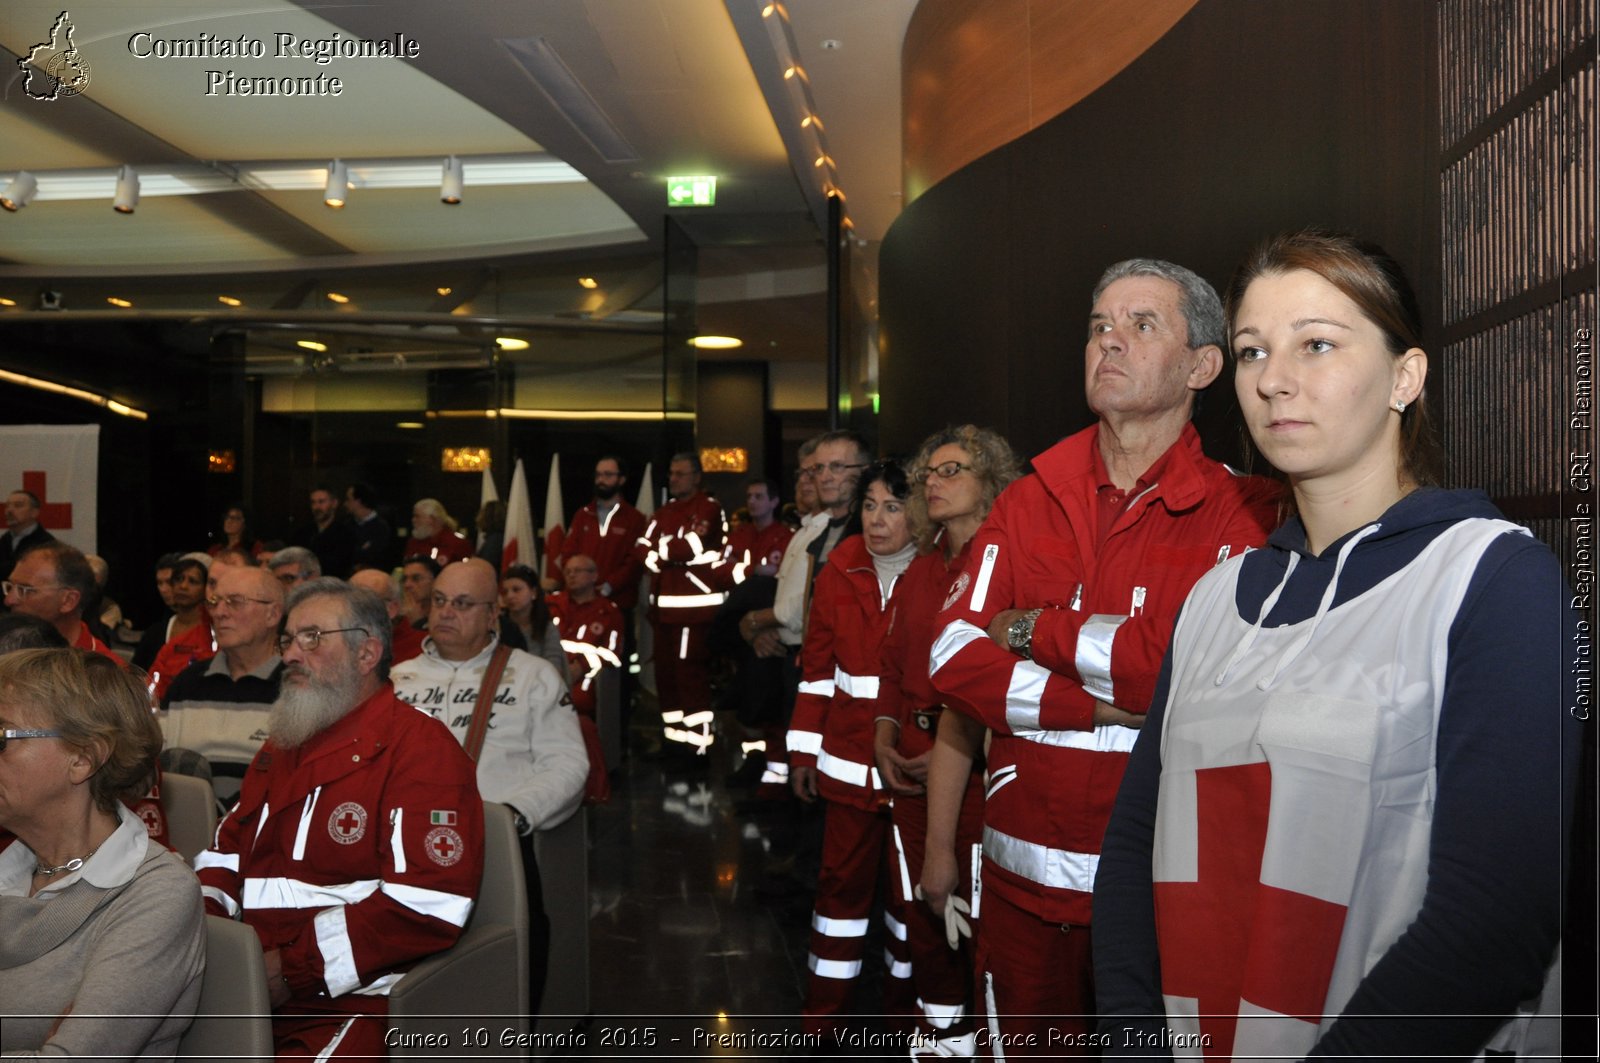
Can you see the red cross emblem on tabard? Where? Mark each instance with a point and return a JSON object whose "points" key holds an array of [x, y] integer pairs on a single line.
{"points": [[443, 846], [348, 823], [57, 515], [1228, 937]]}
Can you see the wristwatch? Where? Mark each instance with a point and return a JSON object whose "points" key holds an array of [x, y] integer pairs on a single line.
{"points": [[1019, 636]]}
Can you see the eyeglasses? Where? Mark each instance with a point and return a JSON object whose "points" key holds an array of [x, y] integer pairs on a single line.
{"points": [[460, 603], [22, 590], [835, 467], [309, 639], [943, 472], [235, 601], [11, 732]]}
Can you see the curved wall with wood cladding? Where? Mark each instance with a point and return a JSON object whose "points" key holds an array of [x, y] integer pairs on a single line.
{"points": [[1244, 118], [1007, 66]]}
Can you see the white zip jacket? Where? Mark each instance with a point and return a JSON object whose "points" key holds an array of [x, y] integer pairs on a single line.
{"points": [[533, 755]]}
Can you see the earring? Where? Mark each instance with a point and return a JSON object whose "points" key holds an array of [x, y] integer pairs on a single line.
{"points": [[1399, 406]]}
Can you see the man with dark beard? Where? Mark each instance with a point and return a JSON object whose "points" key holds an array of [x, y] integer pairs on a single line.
{"points": [[357, 844]]}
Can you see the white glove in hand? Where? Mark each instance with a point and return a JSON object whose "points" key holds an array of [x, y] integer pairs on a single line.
{"points": [[955, 926]]}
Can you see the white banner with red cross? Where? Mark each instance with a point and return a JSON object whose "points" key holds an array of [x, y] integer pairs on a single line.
{"points": [[60, 463]]}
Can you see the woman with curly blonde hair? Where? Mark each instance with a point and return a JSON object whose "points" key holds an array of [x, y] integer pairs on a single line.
{"points": [[956, 477]]}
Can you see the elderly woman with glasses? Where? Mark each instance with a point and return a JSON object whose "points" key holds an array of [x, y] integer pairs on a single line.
{"points": [[103, 944], [938, 821]]}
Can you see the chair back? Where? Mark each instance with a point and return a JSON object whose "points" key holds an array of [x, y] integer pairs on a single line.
{"points": [[233, 1020], [191, 808]]}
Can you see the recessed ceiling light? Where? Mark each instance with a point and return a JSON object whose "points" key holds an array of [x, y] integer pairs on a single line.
{"points": [[336, 297], [510, 343], [588, 282], [716, 343], [790, 72], [114, 301], [7, 302], [311, 345], [228, 300], [443, 291], [409, 424]]}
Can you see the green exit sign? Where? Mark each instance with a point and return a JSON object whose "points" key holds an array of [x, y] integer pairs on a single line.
{"points": [[691, 191]]}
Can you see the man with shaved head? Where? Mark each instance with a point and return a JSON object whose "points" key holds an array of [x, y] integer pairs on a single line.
{"points": [[407, 639], [219, 707], [532, 756]]}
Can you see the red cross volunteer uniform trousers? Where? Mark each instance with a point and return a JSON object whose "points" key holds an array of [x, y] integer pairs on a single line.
{"points": [[680, 547]]}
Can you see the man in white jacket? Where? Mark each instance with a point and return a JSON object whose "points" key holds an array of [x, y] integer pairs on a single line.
{"points": [[533, 756]]}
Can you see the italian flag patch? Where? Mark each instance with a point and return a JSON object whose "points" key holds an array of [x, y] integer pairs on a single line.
{"points": [[440, 818]]}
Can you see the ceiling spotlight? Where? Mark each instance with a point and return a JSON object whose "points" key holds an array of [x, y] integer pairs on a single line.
{"points": [[338, 184], [588, 282], [114, 301], [19, 192], [811, 120], [228, 300], [338, 297], [127, 195], [311, 345], [716, 343], [443, 291], [508, 343], [7, 302], [452, 182]]}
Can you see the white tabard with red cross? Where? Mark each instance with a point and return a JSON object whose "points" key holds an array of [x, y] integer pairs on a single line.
{"points": [[1296, 799]]}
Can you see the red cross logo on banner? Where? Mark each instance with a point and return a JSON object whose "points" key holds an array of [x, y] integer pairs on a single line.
{"points": [[348, 823], [443, 846], [1228, 937], [57, 515]]}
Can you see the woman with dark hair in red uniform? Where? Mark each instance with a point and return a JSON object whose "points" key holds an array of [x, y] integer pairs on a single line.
{"points": [[956, 477], [830, 750]]}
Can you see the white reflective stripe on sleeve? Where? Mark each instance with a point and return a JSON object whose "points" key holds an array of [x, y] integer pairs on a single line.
{"points": [[1107, 738], [977, 880], [212, 858], [397, 841], [833, 968], [896, 927], [998, 778], [846, 771], [980, 588], [292, 893], [943, 1016], [305, 824], [379, 987], [1093, 655], [777, 773], [671, 715], [607, 655], [689, 601], [683, 645], [897, 968], [740, 570], [698, 719], [229, 905], [652, 563], [838, 928], [450, 907], [1056, 868], [861, 687], [759, 745], [338, 954], [1024, 694], [804, 742], [698, 582], [951, 641], [693, 539], [822, 688]]}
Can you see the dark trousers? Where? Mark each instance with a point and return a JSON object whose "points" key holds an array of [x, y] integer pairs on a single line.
{"points": [[538, 926]]}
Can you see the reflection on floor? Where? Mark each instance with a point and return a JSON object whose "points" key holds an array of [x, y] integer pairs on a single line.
{"points": [[700, 911]]}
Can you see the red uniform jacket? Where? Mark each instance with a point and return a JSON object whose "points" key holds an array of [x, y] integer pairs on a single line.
{"points": [[355, 855], [614, 546], [444, 548], [834, 714], [1109, 611], [193, 645], [906, 694], [747, 548], [680, 547], [591, 635]]}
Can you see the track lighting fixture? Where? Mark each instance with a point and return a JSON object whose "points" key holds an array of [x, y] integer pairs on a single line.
{"points": [[19, 192], [338, 184], [127, 195], [452, 181]]}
